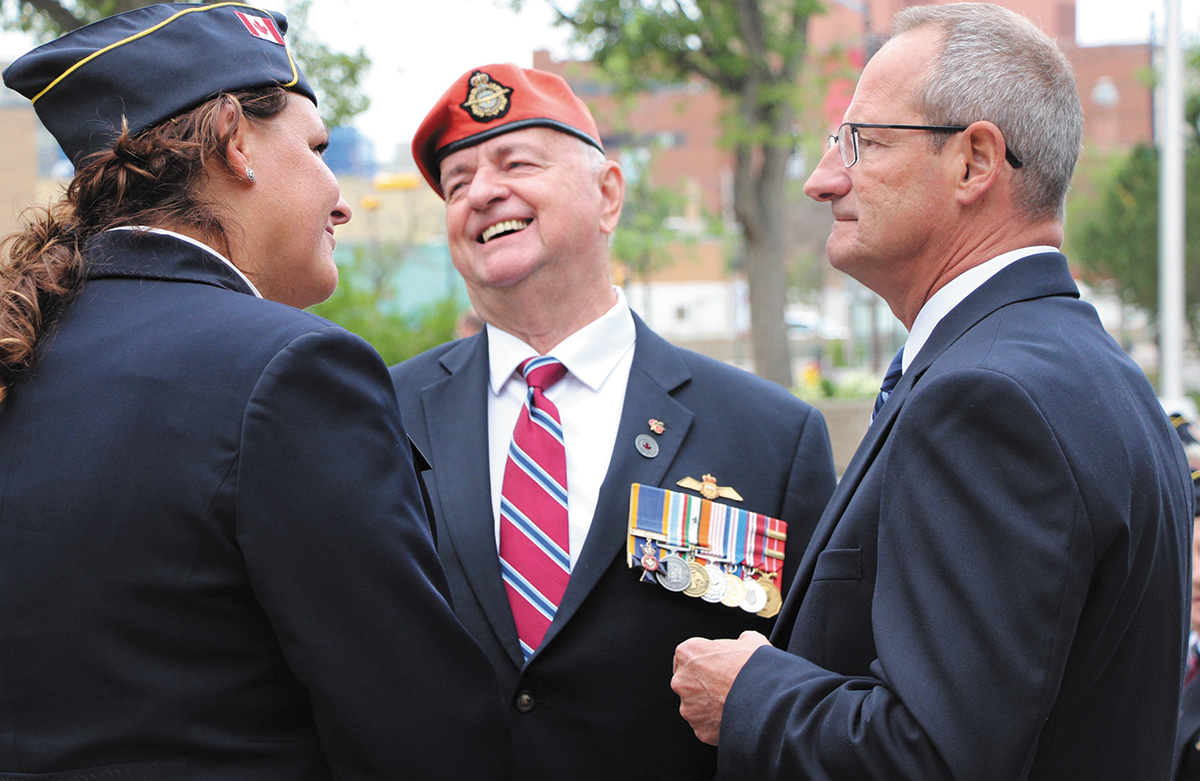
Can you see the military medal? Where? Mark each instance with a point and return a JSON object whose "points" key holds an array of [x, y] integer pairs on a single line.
{"points": [[699, 585], [774, 598], [673, 572], [743, 550], [735, 594], [756, 597], [718, 585]]}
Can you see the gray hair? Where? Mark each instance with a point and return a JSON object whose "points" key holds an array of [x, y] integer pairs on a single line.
{"points": [[995, 65], [593, 158]]}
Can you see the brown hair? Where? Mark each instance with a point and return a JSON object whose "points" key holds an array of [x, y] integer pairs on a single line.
{"points": [[151, 179]]}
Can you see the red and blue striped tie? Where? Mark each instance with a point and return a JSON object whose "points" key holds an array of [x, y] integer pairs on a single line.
{"points": [[534, 541]]}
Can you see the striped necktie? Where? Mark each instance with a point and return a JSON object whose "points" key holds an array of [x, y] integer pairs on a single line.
{"points": [[894, 370], [534, 540]]}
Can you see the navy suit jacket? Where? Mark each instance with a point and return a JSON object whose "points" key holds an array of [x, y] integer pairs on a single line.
{"points": [[599, 702], [214, 562], [998, 588], [1187, 735]]}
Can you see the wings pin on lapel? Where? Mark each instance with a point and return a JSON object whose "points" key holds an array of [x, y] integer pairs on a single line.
{"points": [[709, 488]]}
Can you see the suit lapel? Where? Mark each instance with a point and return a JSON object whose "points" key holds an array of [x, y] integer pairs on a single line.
{"points": [[657, 370], [456, 415], [1036, 276]]}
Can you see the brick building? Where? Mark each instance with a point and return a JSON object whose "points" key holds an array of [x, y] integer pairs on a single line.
{"points": [[699, 300]]}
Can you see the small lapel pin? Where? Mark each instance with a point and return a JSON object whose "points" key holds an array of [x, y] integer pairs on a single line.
{"points": [[646, 445], [709, 488], [657, 426]]}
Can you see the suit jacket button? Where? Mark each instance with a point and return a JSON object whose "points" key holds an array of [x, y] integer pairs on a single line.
{"points": [[525, 702]]}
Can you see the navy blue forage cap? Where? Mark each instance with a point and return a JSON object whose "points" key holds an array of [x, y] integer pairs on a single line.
{"points": [[148, 65]]}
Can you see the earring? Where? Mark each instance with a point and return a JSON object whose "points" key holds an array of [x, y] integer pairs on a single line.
{"points": [[250, 174]]}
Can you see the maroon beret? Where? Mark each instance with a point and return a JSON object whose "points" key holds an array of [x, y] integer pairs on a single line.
{"points": [[491, 100]]}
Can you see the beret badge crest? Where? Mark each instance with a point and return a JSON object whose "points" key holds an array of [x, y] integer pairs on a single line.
{"points": [[487, 99]]}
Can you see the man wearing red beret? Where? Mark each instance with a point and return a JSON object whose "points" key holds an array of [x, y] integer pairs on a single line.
{"points": [[539, 426]]}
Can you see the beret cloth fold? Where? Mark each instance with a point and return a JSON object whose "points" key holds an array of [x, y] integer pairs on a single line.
{"points": [[491, 100], [149, 65]]}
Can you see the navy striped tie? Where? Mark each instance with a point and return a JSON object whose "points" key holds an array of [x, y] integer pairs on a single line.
{"points": [[894, 370], [534, 538]]}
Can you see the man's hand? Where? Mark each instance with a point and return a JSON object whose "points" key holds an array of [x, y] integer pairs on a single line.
{"points": [[703, 674]]}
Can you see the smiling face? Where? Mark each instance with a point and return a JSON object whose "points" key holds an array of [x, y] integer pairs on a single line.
{"points": [[295, 204], [888, 208], [528, 208]]}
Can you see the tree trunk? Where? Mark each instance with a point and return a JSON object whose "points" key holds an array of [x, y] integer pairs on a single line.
{"points": [[763, 236]]}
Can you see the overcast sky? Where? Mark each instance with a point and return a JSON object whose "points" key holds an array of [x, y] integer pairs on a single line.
{"points": [[419, 49]]}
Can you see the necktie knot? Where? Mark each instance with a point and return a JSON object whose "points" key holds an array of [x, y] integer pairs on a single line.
{"points": [[890, 380], [542, 372]]}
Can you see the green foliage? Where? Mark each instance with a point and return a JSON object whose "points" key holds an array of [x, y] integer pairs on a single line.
{"points": [[641, 241], [398, 337], [335, 76], [1115, 237], [753, 52], [1113, 232]]}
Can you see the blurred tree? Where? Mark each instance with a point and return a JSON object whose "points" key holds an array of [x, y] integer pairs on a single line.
{"points": [[357, 306], [642, 240], [1115, 237], [753, 52], [336, 77], [1113, 234]]}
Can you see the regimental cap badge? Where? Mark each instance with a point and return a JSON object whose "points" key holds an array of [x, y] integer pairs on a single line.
{"points": [[709, 488], [487, 99]]}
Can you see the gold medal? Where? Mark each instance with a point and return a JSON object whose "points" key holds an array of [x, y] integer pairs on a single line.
{"points": [[774, 598], [699, 584], [736, 594]]}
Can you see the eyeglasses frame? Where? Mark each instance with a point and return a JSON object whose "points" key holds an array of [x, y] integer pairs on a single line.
{"points": [[1012, 159]]}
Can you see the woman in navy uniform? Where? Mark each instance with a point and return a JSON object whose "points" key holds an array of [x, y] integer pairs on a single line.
{"points": [[214, 559]]}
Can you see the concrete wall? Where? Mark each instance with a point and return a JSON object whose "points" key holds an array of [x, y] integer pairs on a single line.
{"points": [[848, 421]]}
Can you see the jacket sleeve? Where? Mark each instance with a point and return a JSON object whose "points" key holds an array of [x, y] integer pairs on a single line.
{"points": [[338, 550], [983, 564]]}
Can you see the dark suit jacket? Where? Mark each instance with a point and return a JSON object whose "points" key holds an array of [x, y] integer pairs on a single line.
{"points": [[214, 562], [1187, 735], [998, 587], [602, 706]]}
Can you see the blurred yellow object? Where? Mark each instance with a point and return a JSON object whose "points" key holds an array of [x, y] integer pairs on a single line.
{"points": [[810, 375], [405, 181]]}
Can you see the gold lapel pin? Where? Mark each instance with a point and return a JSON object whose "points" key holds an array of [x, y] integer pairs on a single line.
{"points": [[657, 426], [709, 488]]}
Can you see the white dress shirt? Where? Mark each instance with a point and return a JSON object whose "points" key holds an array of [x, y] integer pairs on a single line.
{"points": [[589, 400], [950, 296]]}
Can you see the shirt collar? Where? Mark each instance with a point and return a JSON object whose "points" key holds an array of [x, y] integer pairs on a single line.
{"points": [[194, 242], [590, 354], [950, 296]]}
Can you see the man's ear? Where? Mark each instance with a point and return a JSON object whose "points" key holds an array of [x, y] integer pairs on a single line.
{"points": [[981, 147], [612, 196]]}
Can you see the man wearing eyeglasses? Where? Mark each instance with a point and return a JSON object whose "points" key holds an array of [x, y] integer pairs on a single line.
{"points": [[998, 587]]}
